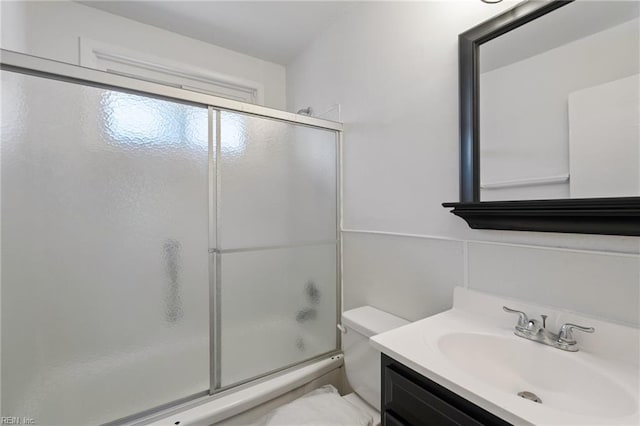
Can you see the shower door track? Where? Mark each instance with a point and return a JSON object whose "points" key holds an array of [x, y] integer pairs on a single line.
{"points": [[48, 68], [27, 64]]}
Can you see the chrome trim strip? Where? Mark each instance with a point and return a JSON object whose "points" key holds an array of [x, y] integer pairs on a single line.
{"points": [[216, 327], [216, 307], [20, 62], [339, 264], [276, 247], [213, 296], [211, 183]]}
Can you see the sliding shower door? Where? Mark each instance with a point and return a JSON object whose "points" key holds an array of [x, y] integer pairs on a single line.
{"points": [[277, 245], [154, 251], [105, 280]]}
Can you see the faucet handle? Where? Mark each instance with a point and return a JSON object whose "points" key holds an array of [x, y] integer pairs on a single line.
{"points": [[523, 320], [566, 332]]}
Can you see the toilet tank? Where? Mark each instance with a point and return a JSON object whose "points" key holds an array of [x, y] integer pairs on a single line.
{"points": [[361, 360]]}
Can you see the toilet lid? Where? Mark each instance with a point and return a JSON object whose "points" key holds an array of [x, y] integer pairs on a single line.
{"points": [[370, 321]]}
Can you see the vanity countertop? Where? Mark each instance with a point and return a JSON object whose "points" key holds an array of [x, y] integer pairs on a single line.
{"points": [[471, 350]]}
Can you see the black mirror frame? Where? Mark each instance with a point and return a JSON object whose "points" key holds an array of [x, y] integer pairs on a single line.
{"points": [[611, 216]]}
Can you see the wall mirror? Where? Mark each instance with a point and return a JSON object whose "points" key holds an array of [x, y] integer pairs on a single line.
{"points": [[550, 119]]}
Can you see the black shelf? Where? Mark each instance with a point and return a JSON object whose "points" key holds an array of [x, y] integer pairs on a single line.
{"points": [[607, 216]]}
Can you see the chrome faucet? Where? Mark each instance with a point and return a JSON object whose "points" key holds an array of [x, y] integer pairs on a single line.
{"points": [[536, 331]]}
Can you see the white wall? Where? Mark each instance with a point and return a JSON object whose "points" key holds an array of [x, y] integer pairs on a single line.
{"points": [[393, 68], [51, 29]]}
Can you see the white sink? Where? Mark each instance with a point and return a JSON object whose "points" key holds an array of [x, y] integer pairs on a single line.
{"points": [[471, 350], [560, 379]]}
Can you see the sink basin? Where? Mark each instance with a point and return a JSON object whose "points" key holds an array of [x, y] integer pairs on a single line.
{"points": [[472, 351], [562, 380]]}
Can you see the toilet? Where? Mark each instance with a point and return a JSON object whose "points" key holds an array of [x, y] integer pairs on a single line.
{"points": [[361, 360], [362, 367]]}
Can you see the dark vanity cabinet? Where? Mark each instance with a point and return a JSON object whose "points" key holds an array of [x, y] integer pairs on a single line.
{"points": [[410, 399]]}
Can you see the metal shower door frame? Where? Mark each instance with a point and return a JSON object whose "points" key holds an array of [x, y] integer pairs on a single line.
{"points": [[51, 69]]}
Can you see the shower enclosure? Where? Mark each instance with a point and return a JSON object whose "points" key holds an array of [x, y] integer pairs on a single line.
{"points": [[157, 244]]}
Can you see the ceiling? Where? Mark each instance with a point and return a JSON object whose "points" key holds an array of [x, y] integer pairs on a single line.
{"points": [[271, 30]]}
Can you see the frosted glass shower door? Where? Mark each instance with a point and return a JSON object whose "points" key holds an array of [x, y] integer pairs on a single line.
{"points": [[277, 242], [105, 260]]}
